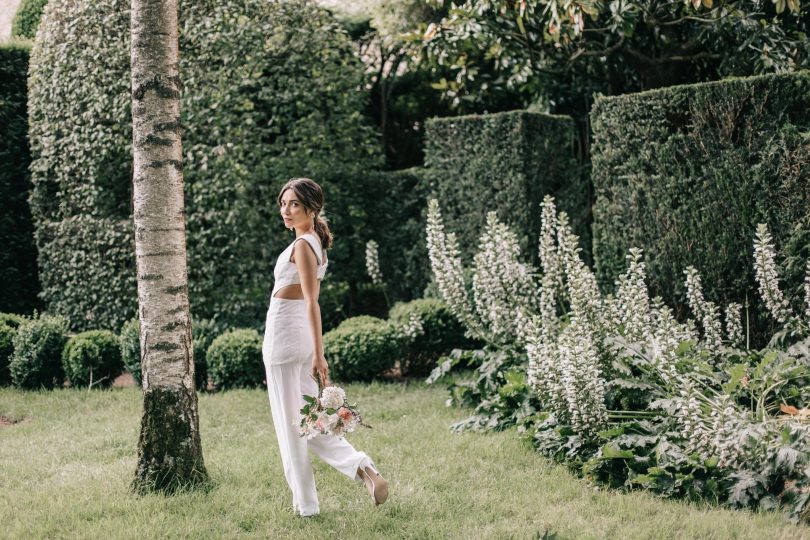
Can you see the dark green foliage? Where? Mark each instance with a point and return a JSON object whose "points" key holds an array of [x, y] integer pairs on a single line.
{"points": [[504, 162], [440, 333], [36, 360], [388, 207], [361, 348], [235, 359], [272, 90], [18, 258], [396, 222], [92, 358], [130, 342], [687, 172], [26, 20]]}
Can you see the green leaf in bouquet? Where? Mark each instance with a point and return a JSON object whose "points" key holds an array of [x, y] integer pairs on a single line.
{"points": [[309, 399], [331, 411]]}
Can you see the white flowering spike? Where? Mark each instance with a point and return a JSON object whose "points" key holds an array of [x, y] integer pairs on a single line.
{"points": [[502, 285], [734, 330], [705, 311], [583, 293], [767, 277], [581, 378], [550, 263], [448, 272], [632, 299], [373, 262]]}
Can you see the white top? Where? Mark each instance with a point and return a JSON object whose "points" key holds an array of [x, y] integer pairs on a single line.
{"points": [[285, 271]]}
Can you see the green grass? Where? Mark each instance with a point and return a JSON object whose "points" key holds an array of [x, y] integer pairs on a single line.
{"points": [[66, 467]]}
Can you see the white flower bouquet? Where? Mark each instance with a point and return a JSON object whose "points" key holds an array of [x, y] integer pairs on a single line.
{"points": [[329, 414]]}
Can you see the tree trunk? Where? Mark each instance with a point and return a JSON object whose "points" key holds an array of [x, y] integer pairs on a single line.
{"points": [[169, 450]]}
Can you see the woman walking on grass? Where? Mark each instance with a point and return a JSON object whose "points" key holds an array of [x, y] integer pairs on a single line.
{"points": [[293, 351]]}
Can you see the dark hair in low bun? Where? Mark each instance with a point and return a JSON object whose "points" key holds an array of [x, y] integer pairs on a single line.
{"points": [[311, 196]]}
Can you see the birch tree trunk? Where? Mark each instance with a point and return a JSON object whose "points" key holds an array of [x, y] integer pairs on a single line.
{"points": [[169, 449]]}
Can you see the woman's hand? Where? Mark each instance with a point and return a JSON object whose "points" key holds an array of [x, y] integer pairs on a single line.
{"points": [[320, 371]]}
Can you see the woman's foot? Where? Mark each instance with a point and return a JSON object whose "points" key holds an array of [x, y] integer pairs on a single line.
{"points": [[376, 485]]}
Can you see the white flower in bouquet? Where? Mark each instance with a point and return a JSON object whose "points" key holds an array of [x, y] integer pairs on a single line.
{"points": [[332, 397]]}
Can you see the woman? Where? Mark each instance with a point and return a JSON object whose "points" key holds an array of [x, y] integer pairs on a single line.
{"points": [[293, 351]]}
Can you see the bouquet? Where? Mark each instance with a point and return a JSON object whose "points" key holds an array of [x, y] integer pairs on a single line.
{"points": [[329, 414]]}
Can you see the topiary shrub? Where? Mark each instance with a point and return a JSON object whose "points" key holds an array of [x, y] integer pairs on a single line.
{"points": [[129, 340], [235, 359], [687, 172], [362, 348], [505, 162], [272, 89], [36, 360], [92, 358], [429, 331], [202, 333], [26, 20]]}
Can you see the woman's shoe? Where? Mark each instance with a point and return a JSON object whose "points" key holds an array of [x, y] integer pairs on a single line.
{"points": [[376, 485]]}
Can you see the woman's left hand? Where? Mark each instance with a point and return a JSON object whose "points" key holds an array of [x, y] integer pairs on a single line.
{"points": [[320, 370]]}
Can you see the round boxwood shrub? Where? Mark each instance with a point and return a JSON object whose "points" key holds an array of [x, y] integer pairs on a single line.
{"points": [[272, 89], [202, 334], [235, 359], [362, 348], [92, 357], [429, 330], [37, 358]]}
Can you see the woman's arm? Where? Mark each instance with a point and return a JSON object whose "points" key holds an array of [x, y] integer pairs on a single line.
{"points": [[307, 266]]}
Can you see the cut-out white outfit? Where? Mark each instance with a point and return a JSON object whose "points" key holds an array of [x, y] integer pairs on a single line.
{"points": [[287, 351]]}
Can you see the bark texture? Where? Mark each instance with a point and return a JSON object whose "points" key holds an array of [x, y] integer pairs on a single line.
{"points": [[169, 450]]}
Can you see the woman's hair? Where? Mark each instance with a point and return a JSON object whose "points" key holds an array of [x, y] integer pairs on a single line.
{"points": [[310, 195]]}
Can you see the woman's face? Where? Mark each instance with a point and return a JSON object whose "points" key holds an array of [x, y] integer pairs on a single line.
{"points": [[292, 211]]}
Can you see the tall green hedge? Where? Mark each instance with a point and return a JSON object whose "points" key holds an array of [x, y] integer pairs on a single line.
{"points": [[18, 258], [272, 89], [506, 162], [687, 172], [26, 20]]}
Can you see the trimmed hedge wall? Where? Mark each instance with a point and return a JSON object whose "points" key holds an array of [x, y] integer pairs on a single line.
{"points": [[506, 162], [18, 257], [687, 172], [272, 90]]}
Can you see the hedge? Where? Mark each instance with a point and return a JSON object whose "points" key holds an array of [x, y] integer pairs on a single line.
{"points": [[18, 259], [362, 348], [36, 361], [92, 357], [26, 20], [687, 172], [235, 359], [272, 90], [506, 162]]}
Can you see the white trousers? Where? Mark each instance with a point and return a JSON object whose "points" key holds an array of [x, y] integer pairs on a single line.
{"points": [[287, 352]]}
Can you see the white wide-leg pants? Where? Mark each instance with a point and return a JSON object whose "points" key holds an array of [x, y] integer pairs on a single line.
{"points": [[287, 352]]}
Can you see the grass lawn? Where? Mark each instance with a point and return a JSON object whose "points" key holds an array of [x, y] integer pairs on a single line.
{"points": [[66, 466]]}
